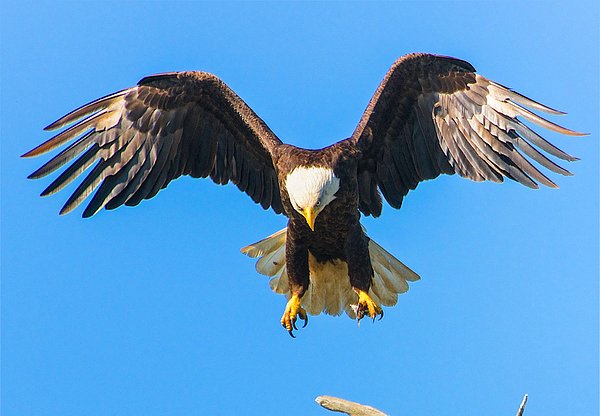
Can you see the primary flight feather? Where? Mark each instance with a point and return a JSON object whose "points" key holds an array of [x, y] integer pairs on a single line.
{"points": [[430, 115]]}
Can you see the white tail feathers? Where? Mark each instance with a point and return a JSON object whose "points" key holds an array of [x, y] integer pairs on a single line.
{"points": [[329, 290]]}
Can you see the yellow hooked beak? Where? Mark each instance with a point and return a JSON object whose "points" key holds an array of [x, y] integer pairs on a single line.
{"points": [[310, 215]]}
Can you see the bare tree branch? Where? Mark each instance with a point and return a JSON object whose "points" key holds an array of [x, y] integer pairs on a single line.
{"points": [[522, 407], [344, 406], [336, 404]]}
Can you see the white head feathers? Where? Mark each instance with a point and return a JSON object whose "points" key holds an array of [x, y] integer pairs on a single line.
{"points": [[311, 187]]}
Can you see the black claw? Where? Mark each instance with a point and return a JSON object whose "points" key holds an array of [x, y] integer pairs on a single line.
{"points": [[294, 324], [305, 321], [291, 334], [381, 315]]}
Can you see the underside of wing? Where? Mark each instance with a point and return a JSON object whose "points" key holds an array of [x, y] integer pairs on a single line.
{"points": [[433, 115], [135, 141]]}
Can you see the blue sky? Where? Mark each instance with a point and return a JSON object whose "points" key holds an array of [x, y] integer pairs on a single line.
{"points": [[152, 310]]}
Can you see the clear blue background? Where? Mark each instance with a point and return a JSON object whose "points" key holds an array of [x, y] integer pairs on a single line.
{"points": [[152, 310]]}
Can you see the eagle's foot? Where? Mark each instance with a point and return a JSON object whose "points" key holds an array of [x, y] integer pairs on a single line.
{"points": [[367, 306], [293, 310]]}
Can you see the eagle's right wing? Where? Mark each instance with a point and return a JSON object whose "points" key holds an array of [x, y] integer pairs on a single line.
{"points": [[141, 138]]}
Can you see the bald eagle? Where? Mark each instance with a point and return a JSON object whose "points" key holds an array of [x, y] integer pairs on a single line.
{"points": [[430, 115]]}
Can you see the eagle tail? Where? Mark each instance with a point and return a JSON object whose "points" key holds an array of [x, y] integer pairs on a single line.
{"points": [[330, 290]]}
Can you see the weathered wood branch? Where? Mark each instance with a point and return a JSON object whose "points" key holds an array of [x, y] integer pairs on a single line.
{"points": [[336, 404], [522, 407]]}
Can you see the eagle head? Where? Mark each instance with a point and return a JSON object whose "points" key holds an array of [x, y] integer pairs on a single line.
{"points": [[310, 190]]}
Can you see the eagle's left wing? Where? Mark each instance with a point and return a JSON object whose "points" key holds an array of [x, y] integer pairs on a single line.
{"points": [[432, 115]]}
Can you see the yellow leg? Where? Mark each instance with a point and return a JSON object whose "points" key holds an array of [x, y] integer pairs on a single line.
{"points": [[292, 311], [367, 306]]}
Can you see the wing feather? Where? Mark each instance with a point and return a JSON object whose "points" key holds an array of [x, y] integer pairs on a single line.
{"points": [[112, 185], [68, 154], [135, 178], [73, 171], [85, 188]]}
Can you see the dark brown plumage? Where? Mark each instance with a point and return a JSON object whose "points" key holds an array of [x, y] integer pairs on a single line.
{"points": [[187, 123], [430, 115]]}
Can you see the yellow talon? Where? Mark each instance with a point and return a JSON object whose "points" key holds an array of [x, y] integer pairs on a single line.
{"points": [[292, 311], [367, 306]]}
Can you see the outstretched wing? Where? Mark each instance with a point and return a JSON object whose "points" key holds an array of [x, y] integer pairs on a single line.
{"points": [[141, 138], [433, 115]]}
